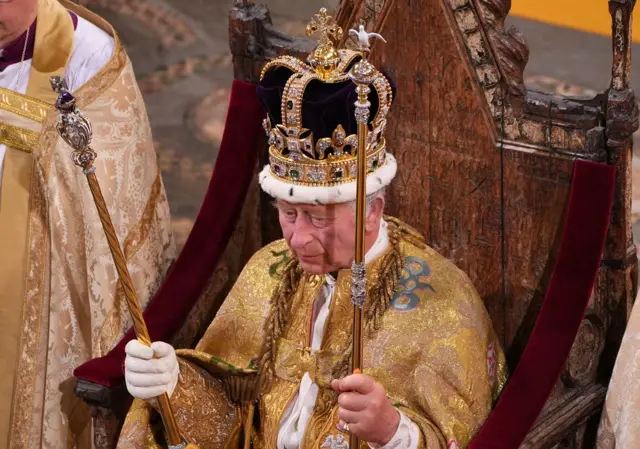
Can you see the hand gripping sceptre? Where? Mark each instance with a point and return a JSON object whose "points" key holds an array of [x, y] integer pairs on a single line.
{"points": [[75, 130]]}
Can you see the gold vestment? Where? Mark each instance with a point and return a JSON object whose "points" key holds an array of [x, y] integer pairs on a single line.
{"points": [[433, 349], [60, 300]]}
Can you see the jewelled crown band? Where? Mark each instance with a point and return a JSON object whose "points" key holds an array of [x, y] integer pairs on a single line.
{"points": [[311, 124]]}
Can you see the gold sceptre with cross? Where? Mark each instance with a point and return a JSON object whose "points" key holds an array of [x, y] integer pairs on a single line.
{"points": [[75, 130], [363, 74]]}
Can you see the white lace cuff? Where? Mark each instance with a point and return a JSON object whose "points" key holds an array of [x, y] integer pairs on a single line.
{"points": [[406, 437]]}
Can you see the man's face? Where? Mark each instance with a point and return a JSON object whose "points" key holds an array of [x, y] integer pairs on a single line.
{"points": [[15, 17], [322, 237]]}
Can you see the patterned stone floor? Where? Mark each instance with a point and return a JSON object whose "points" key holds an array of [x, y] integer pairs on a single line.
{"points": [[180, 52]]}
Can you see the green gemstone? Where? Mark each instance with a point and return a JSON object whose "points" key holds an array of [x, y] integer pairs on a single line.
{"points": [[289, 104], [374, 164], [294, 173], [299, 75], [337, 174]]}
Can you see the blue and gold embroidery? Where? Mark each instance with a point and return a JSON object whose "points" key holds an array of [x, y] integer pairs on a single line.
{"points": [[335, 442], [415, 277]]}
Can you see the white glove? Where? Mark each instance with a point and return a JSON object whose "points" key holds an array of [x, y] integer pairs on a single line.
{"points": [[148, 377]]}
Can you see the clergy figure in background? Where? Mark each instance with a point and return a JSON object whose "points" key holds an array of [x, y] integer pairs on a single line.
{"points": [[282, 340], [60, 301]]}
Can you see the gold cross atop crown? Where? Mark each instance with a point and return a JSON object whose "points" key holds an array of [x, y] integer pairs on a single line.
{"points": [[325, 57]]}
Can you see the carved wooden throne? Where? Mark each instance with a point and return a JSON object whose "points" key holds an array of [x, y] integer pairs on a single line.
{"points": [[485, 172], [485, 168]]}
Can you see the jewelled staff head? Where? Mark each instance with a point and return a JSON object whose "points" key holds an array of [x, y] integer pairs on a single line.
{"points": [[363, 72], [73, 127]]}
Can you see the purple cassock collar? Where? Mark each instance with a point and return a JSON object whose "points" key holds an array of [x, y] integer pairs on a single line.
{"points": [[12, 53]]}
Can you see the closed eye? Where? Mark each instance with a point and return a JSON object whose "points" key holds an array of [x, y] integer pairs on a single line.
{"points": [[319, 221], [289, 215]]}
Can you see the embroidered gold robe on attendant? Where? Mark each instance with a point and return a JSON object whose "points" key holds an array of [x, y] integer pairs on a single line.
{"points": [[434, 351], [61, 302]]}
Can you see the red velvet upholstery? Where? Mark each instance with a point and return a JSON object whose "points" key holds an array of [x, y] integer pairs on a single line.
{"points": [[562, 311], [234, 169]]}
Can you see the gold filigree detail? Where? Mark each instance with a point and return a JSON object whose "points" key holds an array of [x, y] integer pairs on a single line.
{"points": [[325, 58], [339, 141]]}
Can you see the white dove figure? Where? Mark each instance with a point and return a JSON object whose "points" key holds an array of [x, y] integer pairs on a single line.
{"points": [[363, 37]]}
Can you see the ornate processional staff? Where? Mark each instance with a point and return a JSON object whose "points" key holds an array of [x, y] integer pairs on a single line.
{"points": [[363, 74], [76, 131]]}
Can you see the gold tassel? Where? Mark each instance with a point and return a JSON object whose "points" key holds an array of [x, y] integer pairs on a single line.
{"points": [[248, 425], [277, 320]]}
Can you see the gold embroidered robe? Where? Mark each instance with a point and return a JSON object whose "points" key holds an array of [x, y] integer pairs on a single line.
{"points": [[60, 298], [435, 353]]}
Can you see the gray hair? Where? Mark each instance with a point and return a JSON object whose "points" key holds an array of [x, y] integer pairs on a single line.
{"points": [[370, 199]]}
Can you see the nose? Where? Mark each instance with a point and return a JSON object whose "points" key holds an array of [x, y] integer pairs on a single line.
{"points": [[301, 236]]}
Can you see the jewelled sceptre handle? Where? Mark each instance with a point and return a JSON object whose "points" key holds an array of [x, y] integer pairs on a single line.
{"points": [[363, 74], [75, 130]]}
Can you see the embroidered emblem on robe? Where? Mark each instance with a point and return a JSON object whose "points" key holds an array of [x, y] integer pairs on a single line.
{"points": [[335, 442], [275, 270], [415, 277]]}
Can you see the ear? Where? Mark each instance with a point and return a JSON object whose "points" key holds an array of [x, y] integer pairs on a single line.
{"points": [[375, 215]]}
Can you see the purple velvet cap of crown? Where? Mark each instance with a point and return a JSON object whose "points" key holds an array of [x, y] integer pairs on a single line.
{"points": [[324, 105]]}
